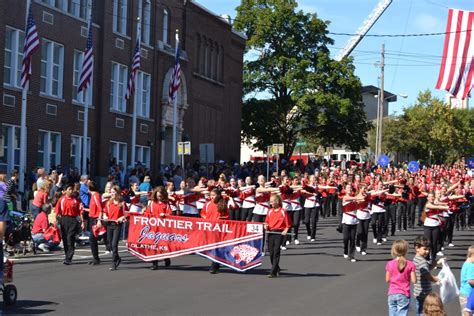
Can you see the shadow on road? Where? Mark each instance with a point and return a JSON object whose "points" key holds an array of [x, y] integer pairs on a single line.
{"points": [[28, 307]]}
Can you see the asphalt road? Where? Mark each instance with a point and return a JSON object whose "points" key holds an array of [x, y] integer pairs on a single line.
{"points": [[315, 280]]}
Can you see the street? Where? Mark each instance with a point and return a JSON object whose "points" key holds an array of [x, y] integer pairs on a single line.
{"points": [[315, 280]]}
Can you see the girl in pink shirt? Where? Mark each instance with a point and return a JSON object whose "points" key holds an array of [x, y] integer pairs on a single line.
{"points": [[399, 272]]}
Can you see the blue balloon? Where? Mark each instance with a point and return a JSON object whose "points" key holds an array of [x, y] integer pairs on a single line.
{"points": [[383, 161], [413, 166], [470, 163]]}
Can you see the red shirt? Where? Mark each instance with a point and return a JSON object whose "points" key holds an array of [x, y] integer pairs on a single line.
{"points": [[210, 211], [41, 223], [155, 209], [68, 206], [115, 211], [41, 198], [95, 205], [277, 219]]}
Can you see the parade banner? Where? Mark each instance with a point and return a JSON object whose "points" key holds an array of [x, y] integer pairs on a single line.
{"points": [[151, 238]]}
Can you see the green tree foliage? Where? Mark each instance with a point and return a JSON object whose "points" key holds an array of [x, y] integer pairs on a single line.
{"points": [[293, 89], [430, 125]]}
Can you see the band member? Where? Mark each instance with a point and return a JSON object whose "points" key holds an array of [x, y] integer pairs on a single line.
{"points": [[277, 223], [248, 200], [234, 203], [215, 209], [363, 215], [349, 222], [4, 219], [262, 198], [158, 206], [432, 224], [115, 209], [95, 214], [378, 213], [69, 208], [312, 204]]}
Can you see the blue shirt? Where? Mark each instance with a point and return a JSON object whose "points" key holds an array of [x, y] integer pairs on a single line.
{"points": [[84, 195], [470, 303], [467, 273]]}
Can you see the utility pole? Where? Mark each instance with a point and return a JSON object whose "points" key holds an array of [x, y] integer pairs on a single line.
{"points": [[380, 104]]}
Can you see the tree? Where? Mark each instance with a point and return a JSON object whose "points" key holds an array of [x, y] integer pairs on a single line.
{"points": [[430, 126], [293, 89]]}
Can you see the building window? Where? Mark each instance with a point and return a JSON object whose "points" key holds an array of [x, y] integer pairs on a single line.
{"points": [[118, 152], [9, 147], [118, 86], [165, 26], [142, 155], [77, 67], [49, 150], [214, 53], [120, 16], [52, 64], [220, 63], [198, 54], [78, 8], [76, 151], [142, 94], [146, 24], [13, 57]]}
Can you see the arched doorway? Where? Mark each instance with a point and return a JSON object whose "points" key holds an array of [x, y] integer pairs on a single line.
{"points": [[167, 116]]}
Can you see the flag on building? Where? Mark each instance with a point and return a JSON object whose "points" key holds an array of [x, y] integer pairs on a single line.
{"points": [[87, 61], [457, 64], [135, 66], [32, 43], [175, 81]]}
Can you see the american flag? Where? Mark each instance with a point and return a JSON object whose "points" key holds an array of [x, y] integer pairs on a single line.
{"points": [[176, 76], [457, 66], [135, 67], [32, 43], [87, 61]]}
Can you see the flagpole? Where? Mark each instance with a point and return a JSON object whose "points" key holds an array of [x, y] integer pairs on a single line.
{"points": [[175, 109], [86, 93], [134, 117], [24, 95]]}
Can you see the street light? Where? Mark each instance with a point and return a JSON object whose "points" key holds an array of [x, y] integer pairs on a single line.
{"points": [[379, 123]]}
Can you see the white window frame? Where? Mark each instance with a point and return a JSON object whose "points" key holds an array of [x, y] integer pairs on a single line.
{"points": [[166, 20], [11, 147], [48, 67], [76, 71], [142, 94], [120, 16], [78, 8], [146, 21], [143, 155], [47, 152], [76, 150], [16, 57], [118, 87], [114, 152]]}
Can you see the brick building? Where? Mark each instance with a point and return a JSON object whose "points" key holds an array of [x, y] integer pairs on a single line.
{"points": [[209, 99]]}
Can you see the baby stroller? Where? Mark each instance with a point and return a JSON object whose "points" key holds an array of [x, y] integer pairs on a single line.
{"points": [[8, 289], [18, 234]]}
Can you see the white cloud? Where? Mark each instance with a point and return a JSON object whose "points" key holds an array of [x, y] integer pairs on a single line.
{"points": [[428, 23]]}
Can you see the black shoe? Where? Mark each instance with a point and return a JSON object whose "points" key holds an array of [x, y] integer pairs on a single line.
{"points": [[167, 262], [154, 267], [113, 267], [271, 276], [118, 262], [67, 262], [212, 271]]}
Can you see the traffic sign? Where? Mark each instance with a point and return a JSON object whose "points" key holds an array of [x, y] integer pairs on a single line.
{"points": [[278, 149], [184, 148], [180, 148], [413, 166], [300, 144], [383, 160], [470, 163]]}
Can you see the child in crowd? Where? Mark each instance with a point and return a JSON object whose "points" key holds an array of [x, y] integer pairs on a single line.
{"points": [[467, 278], [433, 306], [399, 273], [423, 276]]}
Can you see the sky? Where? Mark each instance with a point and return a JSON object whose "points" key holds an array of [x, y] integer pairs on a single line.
{"points": [[412, 63]]}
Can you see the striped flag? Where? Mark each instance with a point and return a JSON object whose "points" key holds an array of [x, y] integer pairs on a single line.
{"points": [[457, 67], [32, 43], [135, 67], [87, 61], [176, 76]]}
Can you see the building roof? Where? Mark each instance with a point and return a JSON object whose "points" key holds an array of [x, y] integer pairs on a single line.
{"points": [[388, 96]]}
